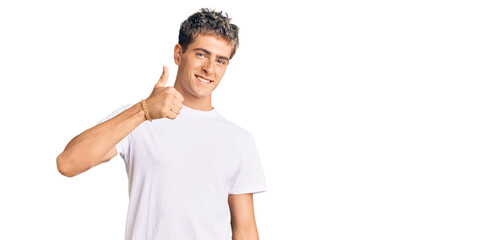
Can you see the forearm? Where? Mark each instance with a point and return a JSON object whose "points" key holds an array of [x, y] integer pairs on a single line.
{"points": [[97, 144]]}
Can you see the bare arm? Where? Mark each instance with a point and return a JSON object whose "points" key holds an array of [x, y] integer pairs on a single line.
{"points": [[243, 222], [97, 144]]}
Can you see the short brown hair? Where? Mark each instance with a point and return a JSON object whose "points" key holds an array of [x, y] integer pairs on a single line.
{"points": [[210, 22]]}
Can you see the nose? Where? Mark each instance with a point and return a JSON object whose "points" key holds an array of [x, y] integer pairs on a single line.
{"points": [[209, 67]]}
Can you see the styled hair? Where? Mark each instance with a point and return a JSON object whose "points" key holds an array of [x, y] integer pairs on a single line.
{"points": [[208, 22]]}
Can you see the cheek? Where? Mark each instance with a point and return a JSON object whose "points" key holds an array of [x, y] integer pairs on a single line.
{"points": [[221, 73]]}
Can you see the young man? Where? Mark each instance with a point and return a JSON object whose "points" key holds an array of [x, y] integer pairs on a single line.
{"points": [[192, 173]]}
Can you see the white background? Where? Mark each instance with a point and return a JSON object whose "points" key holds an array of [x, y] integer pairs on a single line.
{"points": [[374, 119]]}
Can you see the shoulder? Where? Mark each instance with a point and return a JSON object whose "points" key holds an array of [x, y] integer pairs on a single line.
{"points": [[116, 112], [240, 135]]}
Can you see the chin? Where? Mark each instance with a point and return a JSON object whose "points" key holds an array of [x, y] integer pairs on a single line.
{"points": [[202, 94]]}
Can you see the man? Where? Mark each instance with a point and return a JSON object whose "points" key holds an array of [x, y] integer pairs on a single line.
{"points": [[192, 173]]}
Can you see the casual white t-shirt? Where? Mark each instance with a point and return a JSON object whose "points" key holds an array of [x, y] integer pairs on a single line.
{"points": [[181, 172]]}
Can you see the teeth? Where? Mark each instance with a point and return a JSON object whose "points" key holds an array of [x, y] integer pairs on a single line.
{"points": [[202, 79]]}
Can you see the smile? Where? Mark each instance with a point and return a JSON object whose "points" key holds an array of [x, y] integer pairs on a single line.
{"points": [[203, 79]]}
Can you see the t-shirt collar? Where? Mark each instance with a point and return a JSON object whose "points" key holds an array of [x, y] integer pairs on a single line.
{"points": [[199, 113]]}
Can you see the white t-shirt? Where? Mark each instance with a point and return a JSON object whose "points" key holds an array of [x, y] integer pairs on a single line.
{"points": [[181, 172]]}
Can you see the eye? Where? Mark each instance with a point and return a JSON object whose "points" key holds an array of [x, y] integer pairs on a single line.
{"points": [[200, 55], [221, 62]]}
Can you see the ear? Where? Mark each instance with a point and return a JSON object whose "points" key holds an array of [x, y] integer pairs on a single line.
{"points": [[178, 54]]}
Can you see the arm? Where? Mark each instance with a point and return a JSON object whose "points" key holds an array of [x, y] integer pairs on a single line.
{"points": [[243, 222], [97, 144]]}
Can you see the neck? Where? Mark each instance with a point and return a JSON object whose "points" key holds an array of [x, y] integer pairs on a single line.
{"points": [[197, 105], [194, 102]]}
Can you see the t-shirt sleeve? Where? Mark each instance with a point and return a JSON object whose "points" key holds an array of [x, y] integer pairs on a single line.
{"points": [[123, 146], [250, 176]]}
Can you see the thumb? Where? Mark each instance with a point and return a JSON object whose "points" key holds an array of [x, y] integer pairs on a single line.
{"points": [[164, 77]]}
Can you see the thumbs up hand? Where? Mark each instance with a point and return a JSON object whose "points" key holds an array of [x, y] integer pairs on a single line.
{"points": [[164, 102]]}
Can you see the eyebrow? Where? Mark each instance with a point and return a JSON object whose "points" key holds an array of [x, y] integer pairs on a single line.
{"points": [[209, 53]]}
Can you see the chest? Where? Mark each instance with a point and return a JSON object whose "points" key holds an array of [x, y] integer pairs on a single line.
{"points": [[195, 153]]}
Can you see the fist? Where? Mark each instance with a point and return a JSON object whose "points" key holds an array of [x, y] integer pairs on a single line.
{"points": [[164, 102]]}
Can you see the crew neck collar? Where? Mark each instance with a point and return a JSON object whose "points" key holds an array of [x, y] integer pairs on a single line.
{"points": [[199, 113]]}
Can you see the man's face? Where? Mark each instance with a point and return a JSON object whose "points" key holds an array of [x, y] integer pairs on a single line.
{"points": [[202, 65]]}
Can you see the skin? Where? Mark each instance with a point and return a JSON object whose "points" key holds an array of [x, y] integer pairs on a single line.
{"points": [[243, 217], [206, 57]]}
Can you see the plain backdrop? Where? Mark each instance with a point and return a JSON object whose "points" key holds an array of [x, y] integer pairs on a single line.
{"points": [[373, 119]]}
